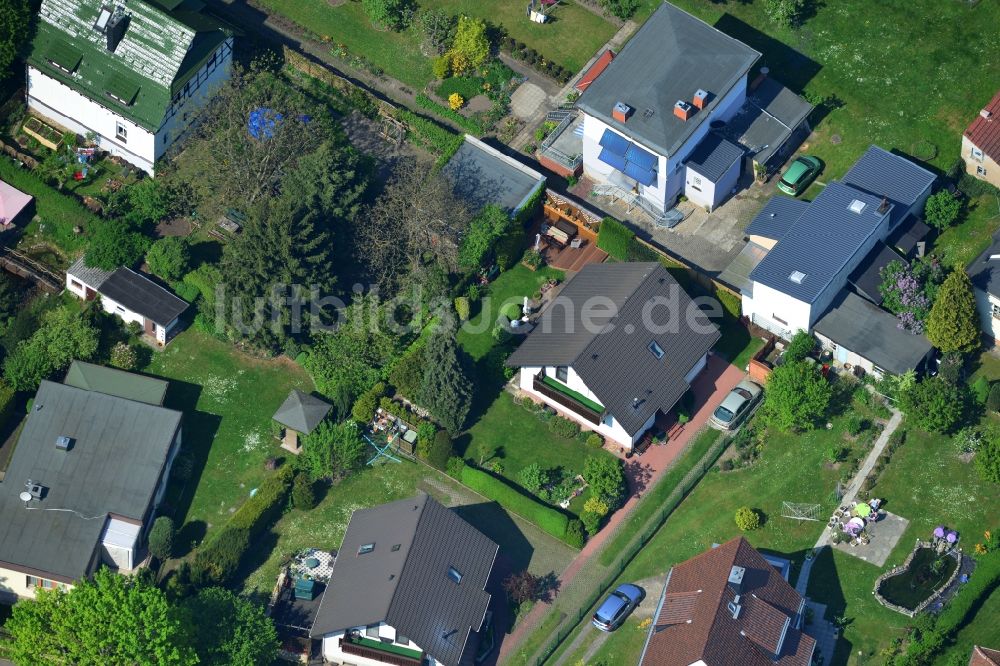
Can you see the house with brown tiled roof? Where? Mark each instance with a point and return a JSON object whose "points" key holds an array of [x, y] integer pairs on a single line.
{"points": [[981, 144], [728, 605], [982, 656]]}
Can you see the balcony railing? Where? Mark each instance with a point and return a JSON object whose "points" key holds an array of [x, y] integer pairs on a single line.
{"points": [[565, 398], [387, 653]]}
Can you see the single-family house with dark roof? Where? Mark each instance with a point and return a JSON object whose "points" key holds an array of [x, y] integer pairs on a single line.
{"points": [[112, 381], [409, 587], [618, 346], [131, 296], [984, 273], [480, 175], [676, 83], [135, 75], [981, 143], [728, 605], [817, 246], [81, 488]]}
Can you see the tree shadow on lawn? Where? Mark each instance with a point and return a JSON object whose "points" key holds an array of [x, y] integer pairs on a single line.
{"points": [[197, 434], [825, 587]]}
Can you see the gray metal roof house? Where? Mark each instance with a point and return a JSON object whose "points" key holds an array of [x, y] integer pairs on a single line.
{"points": [[92, 468], [620, 344], [410, 582], [482, 175]]}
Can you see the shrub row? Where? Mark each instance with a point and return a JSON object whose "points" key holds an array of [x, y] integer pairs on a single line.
{"points": [[220, 557], [519, 51], [615, 238], [470, 125], [550, 520], [7, 400]]}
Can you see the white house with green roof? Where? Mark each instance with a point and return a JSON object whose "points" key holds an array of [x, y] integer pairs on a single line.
{"points": [[134, 73]]}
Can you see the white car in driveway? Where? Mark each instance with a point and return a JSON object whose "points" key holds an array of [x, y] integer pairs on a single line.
{"points": [[737, 406]]}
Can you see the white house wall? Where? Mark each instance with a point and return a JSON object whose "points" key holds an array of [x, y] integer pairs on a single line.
{"points": [[765, 306], [991, 325], [14, 583], [142, 147], [52, 99], [333, 653], [844, 355]]}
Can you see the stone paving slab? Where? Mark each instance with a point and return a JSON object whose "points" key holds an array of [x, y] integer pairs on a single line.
{"points": [[886, 533]]}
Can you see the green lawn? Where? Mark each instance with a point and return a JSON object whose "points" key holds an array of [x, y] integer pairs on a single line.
{"points": [[521, 439], [476, 335], [570, 39], [961, 244], [792, 468], [227, 399], [927, 484], [983, 630], [891, 71]]}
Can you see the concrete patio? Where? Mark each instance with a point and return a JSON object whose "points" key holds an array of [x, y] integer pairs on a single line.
{"points": [[885, 534]]}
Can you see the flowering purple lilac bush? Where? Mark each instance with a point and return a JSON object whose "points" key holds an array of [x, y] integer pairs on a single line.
{"points": [[908, 291]]}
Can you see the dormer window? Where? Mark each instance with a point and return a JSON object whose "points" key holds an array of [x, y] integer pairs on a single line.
{"points": [[366, 548], [656, 350], [455, 575]]}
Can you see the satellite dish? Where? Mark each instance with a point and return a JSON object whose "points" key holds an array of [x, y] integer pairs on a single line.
{"points": [[25, 496]]}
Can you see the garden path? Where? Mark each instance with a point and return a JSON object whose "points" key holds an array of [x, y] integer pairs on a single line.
{"points": [[865, 469]]}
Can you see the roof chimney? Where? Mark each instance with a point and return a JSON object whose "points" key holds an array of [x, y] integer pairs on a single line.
{"points": [[621, 112], [884, 206], [683, 110], [987, 114], [700, 98], [736, 579], [116, 27], [760, 78]]}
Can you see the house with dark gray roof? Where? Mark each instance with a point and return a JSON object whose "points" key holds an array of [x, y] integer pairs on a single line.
{"points": [[656, 119], [618, 346], [816, 250], [816, 247], [985, 275], [134, 75], [131, 296], [82, 486], [480, 175], [410, 586]]}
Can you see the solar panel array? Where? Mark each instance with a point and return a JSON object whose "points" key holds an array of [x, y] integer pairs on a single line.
{"points": [[154, 45], [629, 158]]}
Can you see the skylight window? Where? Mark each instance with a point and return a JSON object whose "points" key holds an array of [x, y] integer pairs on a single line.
{"points": [[797, 277], [366, 548], [102, 19], [455, 575], [857, 206], [656, 350]]}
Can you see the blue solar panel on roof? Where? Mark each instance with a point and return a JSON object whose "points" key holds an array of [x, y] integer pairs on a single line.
{"points": [[608, 157], [644, 176], [641, 157], [614, 142]]}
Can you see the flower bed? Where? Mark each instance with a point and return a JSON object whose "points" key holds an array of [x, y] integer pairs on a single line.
{"points": [[46, 135], [915, 578]]}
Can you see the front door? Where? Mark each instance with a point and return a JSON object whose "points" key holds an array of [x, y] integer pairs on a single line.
{"points": [[150, 327], [841, 354]]}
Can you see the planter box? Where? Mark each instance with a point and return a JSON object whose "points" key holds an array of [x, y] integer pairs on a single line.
{"points": [[45, 134]]}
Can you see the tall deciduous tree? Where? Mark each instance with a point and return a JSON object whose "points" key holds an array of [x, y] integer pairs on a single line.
{"points": [[797, 395], [393, 14], [953, 324], [14, 16], [109, 619], [471, 48], [63, 335], [446, 389], [114, 244], [935, 405], [169, 257], [229, 629], [606, 478], [333, 450], [942, 209]]}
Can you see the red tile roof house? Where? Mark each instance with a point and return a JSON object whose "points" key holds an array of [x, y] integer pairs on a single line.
{"points": [[982, 656], [981, 144], [728, 605]]}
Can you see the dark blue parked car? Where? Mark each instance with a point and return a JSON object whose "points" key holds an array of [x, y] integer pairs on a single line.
{"points": [[617, 607]]}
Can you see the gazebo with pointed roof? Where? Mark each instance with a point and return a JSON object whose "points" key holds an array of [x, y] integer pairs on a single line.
{"points": [[300, 413]]}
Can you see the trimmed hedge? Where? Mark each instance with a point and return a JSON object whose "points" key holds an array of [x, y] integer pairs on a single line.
{"points": [[614, 238], [550, 520], [265, 506], [468, 124]]}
